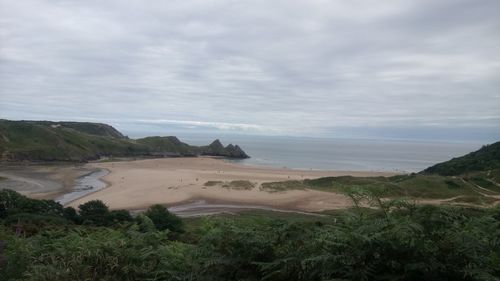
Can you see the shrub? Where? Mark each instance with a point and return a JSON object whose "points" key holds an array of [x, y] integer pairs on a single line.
{"points": [[163, 219], [94, 212], [13, 202], [118, 216], [70, 214]]}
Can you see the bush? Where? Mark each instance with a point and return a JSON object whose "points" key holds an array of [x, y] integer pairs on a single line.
{"points": [[118, 216], [13, 202], [94, 212], [70, 214], [145, 224], [163, 219]]}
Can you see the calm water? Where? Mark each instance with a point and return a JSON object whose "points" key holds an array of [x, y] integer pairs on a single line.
{"points": [[84, 185], [342, 154]]}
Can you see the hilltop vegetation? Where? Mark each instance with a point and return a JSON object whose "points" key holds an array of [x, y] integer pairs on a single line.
{"points": [[485, 159], [97, 129], [81, 141], [395, 240]]}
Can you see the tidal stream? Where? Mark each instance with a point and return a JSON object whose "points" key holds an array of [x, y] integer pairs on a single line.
{"points": [[84, 185]]}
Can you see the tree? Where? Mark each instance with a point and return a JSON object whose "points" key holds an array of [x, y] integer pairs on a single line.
{"points": [[94, 212], [118, 216], [70, 214], [163, 219]]}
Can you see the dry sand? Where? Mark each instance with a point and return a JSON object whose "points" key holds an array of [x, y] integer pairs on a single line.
{"points": [[172, 181]]}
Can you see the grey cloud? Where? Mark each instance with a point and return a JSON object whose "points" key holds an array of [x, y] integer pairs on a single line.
{"points": [[272, 67]]}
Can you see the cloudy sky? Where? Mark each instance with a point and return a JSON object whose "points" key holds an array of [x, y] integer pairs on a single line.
{"points": [[371, 68]]}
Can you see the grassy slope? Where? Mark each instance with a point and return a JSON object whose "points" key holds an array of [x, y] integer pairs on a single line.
{"points": [[32, 141], [167, 144], [412, 186], [97, 129], [397, 186], [484, 159], [79, 141]]}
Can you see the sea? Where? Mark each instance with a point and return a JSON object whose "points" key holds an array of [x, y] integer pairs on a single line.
{"points": [[341, 154]]}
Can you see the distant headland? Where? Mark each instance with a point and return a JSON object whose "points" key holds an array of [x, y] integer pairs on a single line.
{"points": [[84, 141]]}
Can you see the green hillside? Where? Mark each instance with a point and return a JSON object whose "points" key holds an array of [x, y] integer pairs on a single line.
{"points": [[167, 145], [485, 159], [82, 141], [97, 129]]}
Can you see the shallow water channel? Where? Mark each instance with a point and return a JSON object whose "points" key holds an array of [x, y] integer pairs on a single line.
{"points": [[85, 185]]}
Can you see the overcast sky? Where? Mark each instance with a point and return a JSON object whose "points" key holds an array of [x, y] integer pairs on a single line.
{"points": [[323, 68]]}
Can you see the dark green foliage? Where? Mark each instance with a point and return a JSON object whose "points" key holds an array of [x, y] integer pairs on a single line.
{"points": [[393, 240], [32, 223], [70, 214], [12, 202], [119, 216], [485, 159], [145, 224], [163, 219], [94, 212], [15, 207], [89, 254]]}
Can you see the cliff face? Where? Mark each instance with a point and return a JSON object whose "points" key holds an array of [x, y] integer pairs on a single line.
{"points": [[217, 149], [236, 152], [82, 141]]}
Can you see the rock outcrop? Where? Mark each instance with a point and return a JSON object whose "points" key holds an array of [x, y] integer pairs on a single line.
{"points": [[217, 149]]}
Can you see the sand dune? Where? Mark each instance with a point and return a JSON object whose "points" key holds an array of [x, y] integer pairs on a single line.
{"points": [[171, 181]]}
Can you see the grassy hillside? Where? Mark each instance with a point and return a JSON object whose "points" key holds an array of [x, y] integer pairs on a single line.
{"points": [[485, 159], [97, 129], [77, 141], [413, 186], [167, 146]]}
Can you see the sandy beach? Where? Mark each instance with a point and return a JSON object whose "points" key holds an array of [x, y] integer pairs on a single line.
{"points": [[172, 181]]}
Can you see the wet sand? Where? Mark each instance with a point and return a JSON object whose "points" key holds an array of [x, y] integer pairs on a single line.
{"points": [[41, 181], [84, 185], [139, 184]]}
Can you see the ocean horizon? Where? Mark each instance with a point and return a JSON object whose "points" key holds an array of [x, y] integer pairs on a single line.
{"points": [[340, 154]]}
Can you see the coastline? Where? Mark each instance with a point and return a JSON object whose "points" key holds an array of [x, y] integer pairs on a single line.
{"points": [[138, 184]]}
